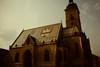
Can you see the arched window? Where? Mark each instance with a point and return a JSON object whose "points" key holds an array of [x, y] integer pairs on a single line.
{"points": [[65, 55], [46, 56], [77, 50], [27, 59], [17, 58], [60, 55]]}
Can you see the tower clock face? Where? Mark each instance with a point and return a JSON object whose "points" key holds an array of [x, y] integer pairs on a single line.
{"points": [[46, 31]]}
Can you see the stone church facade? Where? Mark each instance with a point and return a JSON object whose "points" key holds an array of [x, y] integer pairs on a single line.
{"points": [[53, 45]]}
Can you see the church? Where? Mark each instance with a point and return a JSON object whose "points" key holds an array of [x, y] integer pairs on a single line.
{"points": [[54, 45]]}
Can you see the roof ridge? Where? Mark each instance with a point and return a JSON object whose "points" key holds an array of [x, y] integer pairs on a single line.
{"points": [[43, 26]]}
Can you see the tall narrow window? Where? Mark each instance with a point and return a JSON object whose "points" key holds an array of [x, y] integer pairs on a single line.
{"points": [[27, 57], [65, 55], [17, 58], [71, 17], [60, 55], [77, 50], [46, 55]]}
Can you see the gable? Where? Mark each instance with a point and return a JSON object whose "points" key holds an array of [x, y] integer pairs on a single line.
{"points": [[29, 41]]}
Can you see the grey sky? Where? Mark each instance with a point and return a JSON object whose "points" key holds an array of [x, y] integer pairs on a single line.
{"points": [[18, 14]]}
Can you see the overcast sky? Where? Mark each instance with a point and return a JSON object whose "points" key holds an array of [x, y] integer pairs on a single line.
{"points": [[16, 15]]}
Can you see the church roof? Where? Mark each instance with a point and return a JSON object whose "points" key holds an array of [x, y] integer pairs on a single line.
{"points": [[44, 34]]}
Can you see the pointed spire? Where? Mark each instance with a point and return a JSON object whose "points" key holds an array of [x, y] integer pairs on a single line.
{"points": [[70, 1]]}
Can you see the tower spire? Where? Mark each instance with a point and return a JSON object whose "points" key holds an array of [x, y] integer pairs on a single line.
{"points": [[72, 15]]}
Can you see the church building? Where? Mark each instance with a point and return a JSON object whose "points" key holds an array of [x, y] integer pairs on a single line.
{"points": [[54, 45]]}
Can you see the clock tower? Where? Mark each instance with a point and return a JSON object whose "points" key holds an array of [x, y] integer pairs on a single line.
{"points": [[72, 15]]}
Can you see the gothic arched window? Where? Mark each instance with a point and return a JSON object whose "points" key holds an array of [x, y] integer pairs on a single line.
{"points": [[65, 55], [60, 55], [77, 50], [46, 56], [27, 57], [17, 58]]}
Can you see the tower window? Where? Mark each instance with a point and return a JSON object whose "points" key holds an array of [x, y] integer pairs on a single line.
{"points": [[71, 23], [46, 56], [17, 58], [71, 17]]}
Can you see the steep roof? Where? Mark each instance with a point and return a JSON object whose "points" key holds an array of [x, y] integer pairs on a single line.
{"points": [[44, 34]]}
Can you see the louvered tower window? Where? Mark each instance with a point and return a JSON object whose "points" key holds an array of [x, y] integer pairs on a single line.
{"points": [[71, 19]]}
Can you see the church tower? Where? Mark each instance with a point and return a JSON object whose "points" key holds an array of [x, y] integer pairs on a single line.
{"points": [[72, 15]]}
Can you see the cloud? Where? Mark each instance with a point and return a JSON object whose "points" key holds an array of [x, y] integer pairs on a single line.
{"points": [[86, 6], [97, 5]]}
